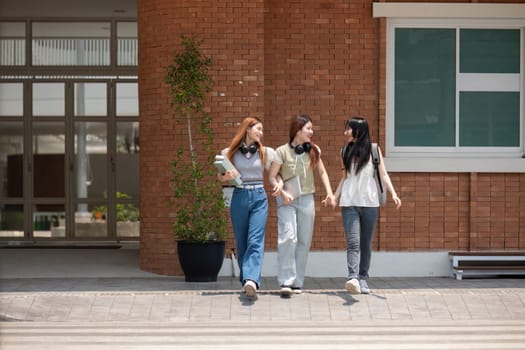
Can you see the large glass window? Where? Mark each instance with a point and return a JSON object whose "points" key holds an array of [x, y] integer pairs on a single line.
{"points": [[425, 73], [49, 99], [11, 159], [49, 180], [457, 89], [90, 175], [49, 159], [90, 99], [11, 103], [127, 206], [11, 220], [489, 51], [489, 119], [127, 99]]}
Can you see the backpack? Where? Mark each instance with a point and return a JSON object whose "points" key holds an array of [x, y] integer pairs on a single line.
{"points": [[381, 190]]}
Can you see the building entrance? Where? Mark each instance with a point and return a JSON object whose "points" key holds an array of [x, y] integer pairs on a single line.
{"points": [[69, 132], [70, 167]]}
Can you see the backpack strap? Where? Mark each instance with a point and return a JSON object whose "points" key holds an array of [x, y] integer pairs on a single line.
{"points": [[376, 160], [375, 155]]}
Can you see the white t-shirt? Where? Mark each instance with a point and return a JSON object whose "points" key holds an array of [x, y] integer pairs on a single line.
{"points": [[360, 190]]}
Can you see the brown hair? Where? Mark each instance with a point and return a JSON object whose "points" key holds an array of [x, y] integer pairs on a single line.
{"points": [[240, 136], [295, 126]]}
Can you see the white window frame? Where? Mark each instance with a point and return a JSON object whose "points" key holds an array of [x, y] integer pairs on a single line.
{"points": [[454, 16]]}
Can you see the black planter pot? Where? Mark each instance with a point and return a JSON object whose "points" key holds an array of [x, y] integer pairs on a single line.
{"points": [[201, 262]]}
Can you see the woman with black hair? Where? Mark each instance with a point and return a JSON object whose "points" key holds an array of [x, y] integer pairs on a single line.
{"points": [[359, 201], [295, 215]]}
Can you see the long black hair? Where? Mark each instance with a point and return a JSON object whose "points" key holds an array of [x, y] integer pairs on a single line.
{"points": [[358, 151]]}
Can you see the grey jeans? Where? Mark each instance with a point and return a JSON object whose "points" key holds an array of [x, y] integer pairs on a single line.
{"points": [[359, 224], [295, 224]]}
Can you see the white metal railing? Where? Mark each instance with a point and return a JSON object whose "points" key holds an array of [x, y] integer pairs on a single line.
{"points": [[68, 52], [12, 52], [127, 52]]}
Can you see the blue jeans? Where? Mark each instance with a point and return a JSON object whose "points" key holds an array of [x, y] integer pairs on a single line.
{"points": [[248, 212], [359, 224]]}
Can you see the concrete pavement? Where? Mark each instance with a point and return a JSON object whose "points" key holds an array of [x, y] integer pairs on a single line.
{"points": [[156, 312], [167, 299], [168, 313]]}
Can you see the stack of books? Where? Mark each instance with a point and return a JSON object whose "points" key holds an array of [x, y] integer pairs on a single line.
{"points": [[223, 164]]}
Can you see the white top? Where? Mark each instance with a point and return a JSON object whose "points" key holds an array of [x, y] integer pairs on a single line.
{"points": [[360, 190]]}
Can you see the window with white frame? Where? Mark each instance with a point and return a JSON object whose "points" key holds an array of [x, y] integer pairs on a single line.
{"points": [[457, 88], [454, 86]]}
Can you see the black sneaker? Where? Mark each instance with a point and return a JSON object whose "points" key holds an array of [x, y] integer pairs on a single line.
{"points": [[297, 290]]}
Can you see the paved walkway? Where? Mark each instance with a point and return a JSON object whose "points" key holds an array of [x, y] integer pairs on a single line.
{"points": [[172, 299], [168, 313]]}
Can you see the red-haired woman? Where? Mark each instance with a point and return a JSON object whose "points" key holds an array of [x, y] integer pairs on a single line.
{"points": [[249, 203]]}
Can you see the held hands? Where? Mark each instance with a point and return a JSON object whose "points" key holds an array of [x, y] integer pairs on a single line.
{"points": [[278, 191], [330, 201], [277, 188]]}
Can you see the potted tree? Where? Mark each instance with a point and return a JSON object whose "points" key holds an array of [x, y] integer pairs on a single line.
{"points": [[197, 197]]}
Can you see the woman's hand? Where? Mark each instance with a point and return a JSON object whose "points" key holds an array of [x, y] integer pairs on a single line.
{"points": [[397, 200], [329, 201], [278, 187], [287, 198], [228, 175]]}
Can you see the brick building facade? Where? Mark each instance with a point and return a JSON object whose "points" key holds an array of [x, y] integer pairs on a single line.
{"points": [[328, 59]]}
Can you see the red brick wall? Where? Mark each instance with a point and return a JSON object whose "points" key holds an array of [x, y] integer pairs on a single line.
{"points": [[321, 59], [233, 36], [274, 59]]}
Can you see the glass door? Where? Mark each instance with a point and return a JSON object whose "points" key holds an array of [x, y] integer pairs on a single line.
{"points": [[71, 161], [12, 150]]}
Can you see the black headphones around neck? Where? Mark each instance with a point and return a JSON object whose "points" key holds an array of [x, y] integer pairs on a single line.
{"points": [[251, 148], [300, 149]]}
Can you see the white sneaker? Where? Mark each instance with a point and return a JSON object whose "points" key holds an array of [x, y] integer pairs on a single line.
{"points": [[364, 287], [285, 291], [250, 288], [352, 286]]}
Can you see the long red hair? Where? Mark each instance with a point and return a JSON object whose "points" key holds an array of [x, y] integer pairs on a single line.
{"points": [[240, 137]]}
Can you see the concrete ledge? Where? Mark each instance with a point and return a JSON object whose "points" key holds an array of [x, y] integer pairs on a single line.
{"points": [[93, 263], [384, 264]]}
